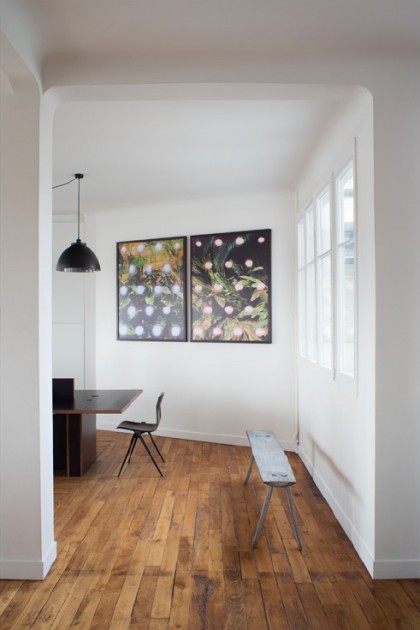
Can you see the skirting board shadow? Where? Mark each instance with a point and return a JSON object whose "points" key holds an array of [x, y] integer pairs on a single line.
{"points": [[217, 438]]}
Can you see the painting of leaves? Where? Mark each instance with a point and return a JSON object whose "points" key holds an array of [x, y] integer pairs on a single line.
{"points": [[151, 286], [231, 287]]}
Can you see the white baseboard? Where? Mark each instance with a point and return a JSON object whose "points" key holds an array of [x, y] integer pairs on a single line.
{"points": [[355, 538], [396, 570], [378, 569], [28, 570], [218, 438]]}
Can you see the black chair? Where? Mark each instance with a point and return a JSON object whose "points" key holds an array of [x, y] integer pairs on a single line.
{"points": [[139, 428]]}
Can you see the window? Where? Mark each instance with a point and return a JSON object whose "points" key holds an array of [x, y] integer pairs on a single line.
{"points": [[307, 286], [301, 288], [324, 277], [311, 332], [327, 277], [345, 213]]}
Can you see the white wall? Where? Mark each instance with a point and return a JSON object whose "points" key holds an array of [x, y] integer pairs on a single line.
{"points": [[397, 218], [337, 413], [214, 392], [394, 82], [27, 547]]}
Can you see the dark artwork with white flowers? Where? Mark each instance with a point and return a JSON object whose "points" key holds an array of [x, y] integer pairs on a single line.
{"points": [[231, 287], [151, 286]]}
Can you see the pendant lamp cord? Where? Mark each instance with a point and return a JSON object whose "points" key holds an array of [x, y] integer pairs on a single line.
{"points": [[78, 207], [65, 183], [77, 176]]}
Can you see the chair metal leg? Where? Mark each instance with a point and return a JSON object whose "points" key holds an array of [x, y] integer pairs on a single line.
{"points": [[262, 516], [133, 445], [156, 447], [130, 446], [150, 454], [293, 511]]}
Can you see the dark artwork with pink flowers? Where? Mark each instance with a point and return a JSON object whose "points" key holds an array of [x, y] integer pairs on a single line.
{"points": [[231, 287], [151, 282]]}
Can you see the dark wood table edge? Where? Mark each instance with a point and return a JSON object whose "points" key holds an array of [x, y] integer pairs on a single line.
{"points": [[77, 464], [67, 406]]}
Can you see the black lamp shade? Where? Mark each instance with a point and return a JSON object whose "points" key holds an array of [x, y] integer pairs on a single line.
{"points": [[78, 258]]}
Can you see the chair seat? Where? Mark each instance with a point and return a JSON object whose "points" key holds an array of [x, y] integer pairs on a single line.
{"points": [[137, 426]]}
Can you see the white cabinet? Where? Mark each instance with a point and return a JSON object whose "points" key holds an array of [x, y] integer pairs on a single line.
{"points": [[68, 311]]}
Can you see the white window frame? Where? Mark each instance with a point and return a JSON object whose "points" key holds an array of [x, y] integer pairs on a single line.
{"points": [[306, 262], [323, 254], [311, 285], [343, 242], [301, 279]]}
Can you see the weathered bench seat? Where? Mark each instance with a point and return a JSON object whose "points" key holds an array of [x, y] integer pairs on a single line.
{"points": [[275, 472]]}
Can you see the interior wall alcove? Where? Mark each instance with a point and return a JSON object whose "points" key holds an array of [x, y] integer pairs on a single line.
{"points": [[364, 515], [219, 407]]}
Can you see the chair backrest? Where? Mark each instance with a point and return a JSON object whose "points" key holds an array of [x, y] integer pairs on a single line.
{"points": [[158, 409]]}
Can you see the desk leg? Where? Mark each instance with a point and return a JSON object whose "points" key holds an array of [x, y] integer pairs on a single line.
{"points": [[74, 445], [60, 441], [88, 441], [81, 444]]}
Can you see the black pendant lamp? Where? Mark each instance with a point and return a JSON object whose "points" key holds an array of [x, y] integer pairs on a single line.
{"points": [[78, 257]]}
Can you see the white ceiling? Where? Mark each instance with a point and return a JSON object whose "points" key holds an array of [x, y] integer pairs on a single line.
{"points": [[135, 153], [168, 30], [141, 151]]}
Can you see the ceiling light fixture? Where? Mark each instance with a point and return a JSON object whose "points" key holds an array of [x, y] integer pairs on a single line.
{"points": [[78, 257]]}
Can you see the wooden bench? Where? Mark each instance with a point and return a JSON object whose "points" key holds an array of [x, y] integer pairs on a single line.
{"points": [[275, 472]]}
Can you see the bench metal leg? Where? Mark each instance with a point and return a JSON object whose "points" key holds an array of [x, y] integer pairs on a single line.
{"points": [[249, 470], [262, 516], [293, 511]]}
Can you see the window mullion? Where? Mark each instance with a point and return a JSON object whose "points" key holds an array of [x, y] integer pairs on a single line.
{"points": [[334, 350]]}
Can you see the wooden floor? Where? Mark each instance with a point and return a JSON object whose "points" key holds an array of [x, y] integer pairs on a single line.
{"points": [[145, 552]]}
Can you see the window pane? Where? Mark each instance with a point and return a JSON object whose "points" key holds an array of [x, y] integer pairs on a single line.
{"points": [[302, 313], [310, 247], [325, 312], [346, 308], [311, 312], [324, 222], [301, 243], [345, 203]]}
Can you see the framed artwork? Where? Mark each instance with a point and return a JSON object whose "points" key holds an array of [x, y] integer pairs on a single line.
{"points": [[231, 287], [151, 278]]}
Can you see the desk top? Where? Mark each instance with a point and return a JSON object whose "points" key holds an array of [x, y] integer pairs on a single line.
{"points": [[97, 401]]}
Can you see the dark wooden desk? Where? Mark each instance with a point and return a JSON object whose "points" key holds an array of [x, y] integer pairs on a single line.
{"points": [[75, 425]]}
